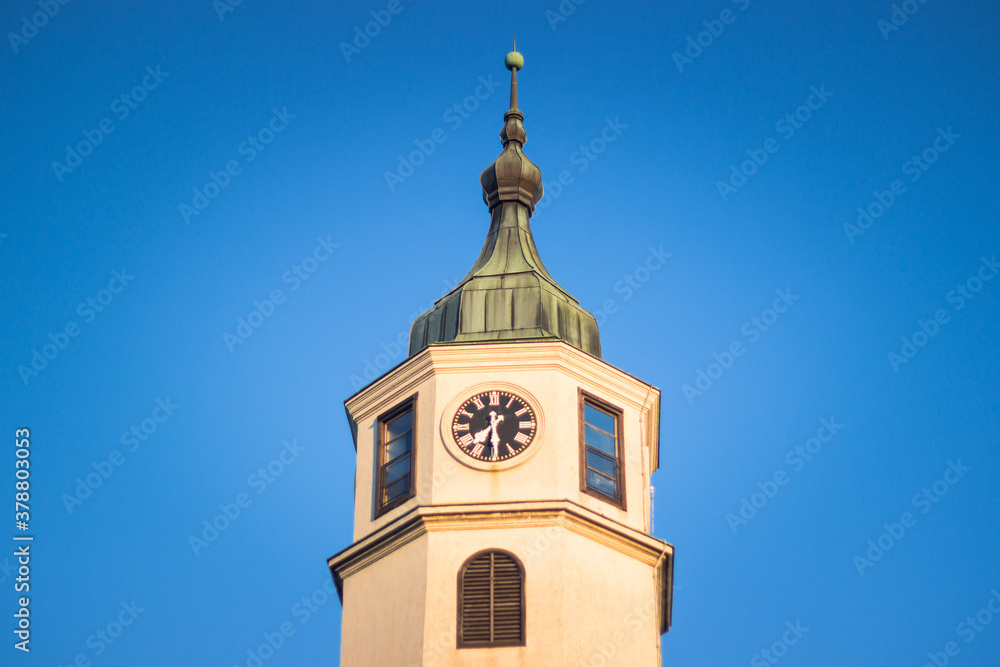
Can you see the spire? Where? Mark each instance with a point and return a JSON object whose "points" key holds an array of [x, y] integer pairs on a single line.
{"points": [[512, 176], [508, 294], [514, 61]]}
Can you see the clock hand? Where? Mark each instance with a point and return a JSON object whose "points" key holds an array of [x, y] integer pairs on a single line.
{"points": [[494, 420], [481, 435], [495, 438]]}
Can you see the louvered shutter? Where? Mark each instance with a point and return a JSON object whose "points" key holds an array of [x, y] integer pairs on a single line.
{"points": [[506, 600], [491, 605]]}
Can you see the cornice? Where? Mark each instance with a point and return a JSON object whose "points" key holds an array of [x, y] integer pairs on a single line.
{"points": [[496, 516], [515, 356]]}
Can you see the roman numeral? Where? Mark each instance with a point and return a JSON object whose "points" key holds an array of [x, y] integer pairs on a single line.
{"points": [[479, 403], [521, 438], [494, 398], [460, 427], [510, 402], [465, 440], [526, 425], [478, 450], [521, 411], [466, 413]]}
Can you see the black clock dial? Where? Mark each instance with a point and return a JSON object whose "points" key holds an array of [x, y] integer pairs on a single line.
{"points": [[494, 425]]}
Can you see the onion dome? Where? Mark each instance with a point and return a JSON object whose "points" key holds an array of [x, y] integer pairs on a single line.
{"points": [[508, 294], [512, 176]]}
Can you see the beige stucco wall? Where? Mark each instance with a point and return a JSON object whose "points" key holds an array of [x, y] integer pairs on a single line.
{"points": [[550, 373], [591, 592], [579, 595], [384, 604]]}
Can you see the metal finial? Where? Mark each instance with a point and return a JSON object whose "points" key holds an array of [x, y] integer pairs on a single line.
{"points": [[514, 61]]}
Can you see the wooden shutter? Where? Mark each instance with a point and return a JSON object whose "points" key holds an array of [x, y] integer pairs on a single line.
{"points": [[491, 601], [507, 594]]}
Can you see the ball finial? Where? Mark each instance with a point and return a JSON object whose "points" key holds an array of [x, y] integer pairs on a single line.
{"points": [[514, 60]]}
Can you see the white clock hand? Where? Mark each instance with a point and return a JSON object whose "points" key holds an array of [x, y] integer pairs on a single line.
{"points": [[495, 438], [481, 435], [494, 420]]}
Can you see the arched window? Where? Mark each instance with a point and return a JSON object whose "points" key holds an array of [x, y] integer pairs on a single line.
{"points": [[491, 601]]}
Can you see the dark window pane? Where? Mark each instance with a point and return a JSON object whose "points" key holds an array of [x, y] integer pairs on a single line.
{"points": [[396, 469], [397, 489], [602, 473], [399, 426], [602, 484], [395, 445], [396, 479], [398, 447], [599, 418], [599, 440], [606, 465]]}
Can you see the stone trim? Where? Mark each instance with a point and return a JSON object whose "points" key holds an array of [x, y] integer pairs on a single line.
{"points": [[402, 380], [493, 516]]}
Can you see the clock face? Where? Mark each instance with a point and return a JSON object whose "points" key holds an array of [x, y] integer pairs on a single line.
{"points": [[494, 426]]}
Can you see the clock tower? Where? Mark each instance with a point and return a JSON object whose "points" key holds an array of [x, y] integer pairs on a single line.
{"points": [[502, 490]]}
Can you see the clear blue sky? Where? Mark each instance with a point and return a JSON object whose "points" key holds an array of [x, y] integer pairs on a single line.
{"points": [[742, 157]]}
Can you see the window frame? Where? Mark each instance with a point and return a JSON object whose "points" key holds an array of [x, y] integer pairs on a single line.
{"points": [[381, 423], [459, 640], [618, 414]]}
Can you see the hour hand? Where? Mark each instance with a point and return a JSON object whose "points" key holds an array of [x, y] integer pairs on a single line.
{"points": [[482, 435]]}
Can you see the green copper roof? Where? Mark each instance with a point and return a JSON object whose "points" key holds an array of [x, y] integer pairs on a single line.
{"points": [[508, 294]]}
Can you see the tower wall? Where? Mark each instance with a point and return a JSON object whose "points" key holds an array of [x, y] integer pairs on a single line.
{"points": [[581, 596], [551, 375], [592, 573], [384, 606]]}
